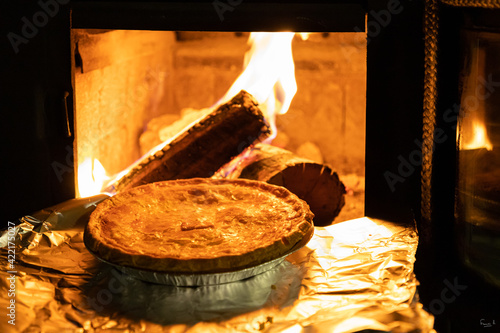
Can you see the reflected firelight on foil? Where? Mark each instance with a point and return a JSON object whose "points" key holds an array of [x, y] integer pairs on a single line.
{"points": [[268, 75]]}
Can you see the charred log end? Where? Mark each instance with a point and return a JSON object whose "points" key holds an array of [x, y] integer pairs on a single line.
{"points": [[317, 185]]}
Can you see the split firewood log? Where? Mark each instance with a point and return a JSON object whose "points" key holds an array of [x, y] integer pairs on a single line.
{"points": [[203, 148], [315, 183]]}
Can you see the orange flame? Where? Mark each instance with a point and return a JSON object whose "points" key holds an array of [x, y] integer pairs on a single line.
{"points": [[269, 74], [472, 123], [304, 35], [91, 177], [477, 137]]}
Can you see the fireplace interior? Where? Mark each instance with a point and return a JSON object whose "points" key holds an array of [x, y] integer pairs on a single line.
{"points": [[130, 86]]}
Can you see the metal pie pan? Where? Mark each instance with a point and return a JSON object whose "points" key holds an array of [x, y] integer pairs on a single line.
{"points": [[203, 279]]}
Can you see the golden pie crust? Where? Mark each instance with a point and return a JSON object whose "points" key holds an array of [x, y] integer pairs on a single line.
{"points": [[198, 225]]}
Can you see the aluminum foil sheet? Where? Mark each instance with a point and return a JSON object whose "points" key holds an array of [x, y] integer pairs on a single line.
{"points": [[351, 277]]}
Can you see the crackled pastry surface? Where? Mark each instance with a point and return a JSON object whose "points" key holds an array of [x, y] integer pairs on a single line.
{"points": [[198, 225]]}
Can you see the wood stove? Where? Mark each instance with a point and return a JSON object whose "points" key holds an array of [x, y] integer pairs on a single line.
{"points": [[44, 61]]}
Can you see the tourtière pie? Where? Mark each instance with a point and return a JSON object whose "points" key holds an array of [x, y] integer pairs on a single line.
{"points": [[198, 225]]}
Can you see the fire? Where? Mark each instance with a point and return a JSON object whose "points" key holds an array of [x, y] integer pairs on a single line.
{"points": [[91, 177], [477, 137], [269, 74]]}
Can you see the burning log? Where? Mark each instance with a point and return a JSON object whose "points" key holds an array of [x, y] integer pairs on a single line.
{"points": [[313, 182], [203, 148]]}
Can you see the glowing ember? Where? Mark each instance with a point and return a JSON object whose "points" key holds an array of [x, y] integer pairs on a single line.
{"points": [[91, 178], [477, 137], [269, 74]]}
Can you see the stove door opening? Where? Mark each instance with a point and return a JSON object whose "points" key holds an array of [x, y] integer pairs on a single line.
{"points": [[141, 95]]}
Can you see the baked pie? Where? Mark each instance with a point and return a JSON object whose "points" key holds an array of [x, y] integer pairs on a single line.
{"points": [[198, 225]]}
